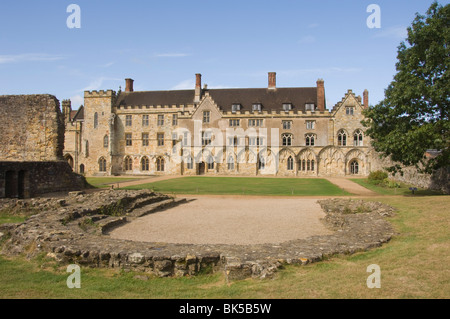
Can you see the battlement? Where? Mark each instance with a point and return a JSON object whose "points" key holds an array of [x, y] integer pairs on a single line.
{"points": [[101, 93]]}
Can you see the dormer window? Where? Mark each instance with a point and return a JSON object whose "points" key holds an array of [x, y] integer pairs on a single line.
{"points": [[235, 107], [310, 107], [256, 107], [287, 107]]}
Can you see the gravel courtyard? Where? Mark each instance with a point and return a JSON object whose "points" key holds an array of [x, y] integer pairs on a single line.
{"points": [[229, 220]]}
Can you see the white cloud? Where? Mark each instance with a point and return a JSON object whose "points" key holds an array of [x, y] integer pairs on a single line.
{"points": [[97, 84], [184, 85], [107, 65], [76, 100], [29, 57], [396, 32]]}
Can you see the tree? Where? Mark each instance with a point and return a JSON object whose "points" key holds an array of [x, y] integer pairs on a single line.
{"points": [[414, 115]]}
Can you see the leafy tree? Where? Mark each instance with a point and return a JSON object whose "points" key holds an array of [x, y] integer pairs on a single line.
{"points": [[414, 115]]}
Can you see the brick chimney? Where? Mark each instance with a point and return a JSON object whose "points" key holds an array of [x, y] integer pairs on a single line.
{"points": [[272, 80], [129, 85], [198, 88], [366, 99], [320, 95]]}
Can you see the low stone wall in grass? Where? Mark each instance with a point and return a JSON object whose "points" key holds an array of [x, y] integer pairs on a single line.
{"points": [[75, 230]]}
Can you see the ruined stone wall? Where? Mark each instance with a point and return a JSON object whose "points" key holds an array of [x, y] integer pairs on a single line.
{"points": [[32, 128], [31, 179], [439, 180]]}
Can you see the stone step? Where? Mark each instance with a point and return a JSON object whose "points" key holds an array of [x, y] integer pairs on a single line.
{"points": [[155, 207], [142, 202], [111, 222]]}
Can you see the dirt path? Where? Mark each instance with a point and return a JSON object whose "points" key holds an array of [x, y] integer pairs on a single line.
{"points": [[218, 220], [351, 186]]}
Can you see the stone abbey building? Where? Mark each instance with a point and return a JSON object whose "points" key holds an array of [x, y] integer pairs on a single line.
{"points": [[250, 132]]}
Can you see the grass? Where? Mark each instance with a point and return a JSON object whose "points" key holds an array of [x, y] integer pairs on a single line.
{"points": [[245, 186], [402, 190], [413, 265], [104, 182]]}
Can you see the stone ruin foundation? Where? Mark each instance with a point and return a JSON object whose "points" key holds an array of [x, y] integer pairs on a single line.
{"points": [[74, 230]]}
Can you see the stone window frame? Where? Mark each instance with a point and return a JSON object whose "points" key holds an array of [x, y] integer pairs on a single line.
{"points": [[287, 125], [286, 139], [233, 141], [105, 141], [354, 167], [102, 164], [349, 110], [256, 141], [145, 139], [128, 139], [160, 164], [145, 120], [256, 107], [210, 162], [145, 164], [189, 162], [95, 120], [230, 163], [174, 119], [255, 122], [160, 139], [342, 137], [310, 139], [358, 138], [160, 121], [128, 120], [310, 107], [206, 138], [234, 122], [261, 163], [307, 165], [310, 125], [206, 116], [128, 163], [290, 163]]}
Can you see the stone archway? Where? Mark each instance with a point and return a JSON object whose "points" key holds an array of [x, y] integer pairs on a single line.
{"points": [[69, 160]]}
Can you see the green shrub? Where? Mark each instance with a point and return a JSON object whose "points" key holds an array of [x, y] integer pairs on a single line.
{"points": [[377, 177]]}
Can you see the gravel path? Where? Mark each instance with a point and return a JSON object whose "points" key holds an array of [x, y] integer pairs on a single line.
{"points": [[229, 220]]}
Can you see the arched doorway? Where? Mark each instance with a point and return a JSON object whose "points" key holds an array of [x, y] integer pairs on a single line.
{"points": [[69, 160], [354, 167]]}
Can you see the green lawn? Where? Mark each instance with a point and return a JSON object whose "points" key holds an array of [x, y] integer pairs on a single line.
{"points": [[245, 186], [402, 190], [414, 264], [103, 182]]}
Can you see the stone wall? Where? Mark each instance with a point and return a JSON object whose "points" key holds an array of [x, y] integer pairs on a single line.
{"points": [[32, 128], [31, 179], [439, 180]]}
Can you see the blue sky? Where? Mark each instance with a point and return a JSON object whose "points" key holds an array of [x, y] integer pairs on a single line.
{"points": [[162, 44]]}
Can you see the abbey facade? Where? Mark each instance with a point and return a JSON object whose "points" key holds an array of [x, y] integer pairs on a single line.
{"points": [[245, 132]]}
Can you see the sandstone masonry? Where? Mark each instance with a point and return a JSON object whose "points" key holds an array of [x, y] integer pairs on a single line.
{"points": [[31, 152], [75, 230]]}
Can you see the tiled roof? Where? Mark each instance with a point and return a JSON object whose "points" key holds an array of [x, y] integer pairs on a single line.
{"points": [[225, 98]]}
